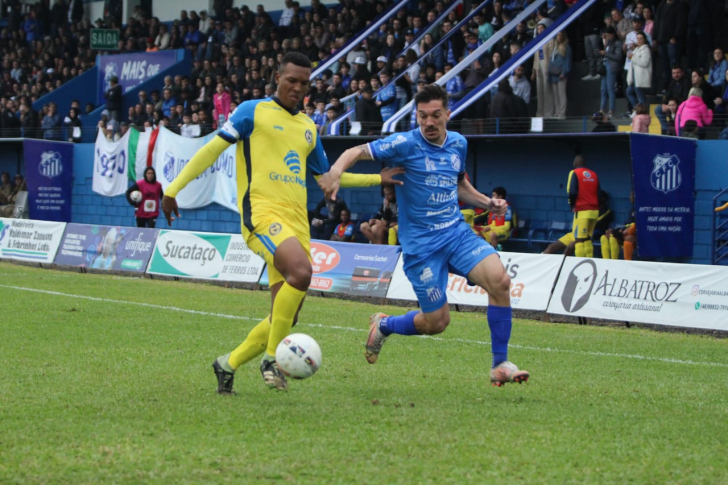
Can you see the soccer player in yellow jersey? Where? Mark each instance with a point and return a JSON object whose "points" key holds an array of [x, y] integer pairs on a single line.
{"points": [[275, 143]]}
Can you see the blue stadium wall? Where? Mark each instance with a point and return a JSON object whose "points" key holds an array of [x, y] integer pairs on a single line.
{"points": [[532, 169]]}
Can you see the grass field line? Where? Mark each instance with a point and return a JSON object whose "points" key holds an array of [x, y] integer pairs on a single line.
{"points": [[353, 329]]}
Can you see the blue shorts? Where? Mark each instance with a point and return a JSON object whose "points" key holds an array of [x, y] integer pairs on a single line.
{"points": [[428, 271]]}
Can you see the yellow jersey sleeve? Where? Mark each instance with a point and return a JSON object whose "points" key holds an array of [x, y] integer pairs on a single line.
{"points": [[200, 161]]}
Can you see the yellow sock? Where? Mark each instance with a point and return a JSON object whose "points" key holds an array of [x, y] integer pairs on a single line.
{"points": [[254, 344], [606, 253], [284, 311], [588, 249], [614, 246], [579, 250]]}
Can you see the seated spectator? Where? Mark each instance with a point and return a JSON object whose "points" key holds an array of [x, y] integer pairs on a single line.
{"points": [[323, 223], [697, 80], [376, 230], [8, 206], [690, 130], [678, 90], [344, 231], [720, 103], [7, 188], [603, 123], [718, 70], [641, 119], [497, 228], [693, 109]]}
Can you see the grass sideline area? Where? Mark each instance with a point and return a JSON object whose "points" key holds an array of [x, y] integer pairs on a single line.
{"points": [[108, 379]]}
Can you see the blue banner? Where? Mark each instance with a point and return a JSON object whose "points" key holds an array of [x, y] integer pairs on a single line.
{"points": [[350, 268], [132, 69], [49, 175], [663, 172]]}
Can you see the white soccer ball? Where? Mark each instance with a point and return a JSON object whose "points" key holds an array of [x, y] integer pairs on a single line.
{"points": [[136, 196], [298, 356]]}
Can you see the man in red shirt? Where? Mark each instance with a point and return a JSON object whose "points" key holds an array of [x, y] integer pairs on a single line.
{"points": [[583, 190]]}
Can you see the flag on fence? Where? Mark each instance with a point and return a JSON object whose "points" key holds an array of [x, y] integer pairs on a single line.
{"points": [[115, 163]]}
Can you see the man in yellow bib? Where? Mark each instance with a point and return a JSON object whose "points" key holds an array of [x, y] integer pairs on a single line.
{"points": [[275, 143]]}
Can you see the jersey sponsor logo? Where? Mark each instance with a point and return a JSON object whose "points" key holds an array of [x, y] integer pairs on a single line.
{"points": [[278, 127], [431, 181], [455, 162], [309, 136], [434, 293], [429, 164], [440, 181], [479, 250], [665, 176], [293, 162], [274, 229], [287, 179], [443, 225], [441, 197], [578, 286], [442, 212], [426, 275], [587, 174]]}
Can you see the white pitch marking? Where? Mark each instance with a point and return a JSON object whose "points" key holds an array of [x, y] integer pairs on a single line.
{"points": [[352, 329]]}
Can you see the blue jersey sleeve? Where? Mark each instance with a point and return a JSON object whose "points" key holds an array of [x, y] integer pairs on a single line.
{"points": [[463, 153], [240, 123], [317, 161], [390, 149]]}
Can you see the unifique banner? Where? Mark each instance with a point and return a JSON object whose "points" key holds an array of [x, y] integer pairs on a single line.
{"points": [[28, 240], [49, 175], [113, 163], [131, 69], [204, 255], [664, 183], [683, 295], [350, 268], [106, 247], [217, 183], [532, 278]]}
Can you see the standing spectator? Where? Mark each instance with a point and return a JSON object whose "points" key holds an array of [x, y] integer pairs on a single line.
{"points": [[147, 209], [188, 128], [641, 119], [113, 98], [670, 27], [7, 188], [28, 121], [221, 102], [718, 69], [639, 72], [721, 103], [51, 122], [693, 109], [10, 121], [455, 87], [387, 97], [612, 54], [502, 107], [698, 33], [559, 69], [73, 125], [649, 15], [592, 22], [540, 75], [344, 232]]}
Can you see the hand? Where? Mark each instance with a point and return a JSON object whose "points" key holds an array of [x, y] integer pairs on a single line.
{"points": [[629, 55], [562, 77], [673, 40], [718, 101], [498, 206], [601, 53], [330, 183], [378, 103], [169, 205], [388, 175]]}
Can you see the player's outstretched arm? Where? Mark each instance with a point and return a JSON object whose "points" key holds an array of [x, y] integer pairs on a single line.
{"points": [[199, 162], [331, 180], [468, 194]]}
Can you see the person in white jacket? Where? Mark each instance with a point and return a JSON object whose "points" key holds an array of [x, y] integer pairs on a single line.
{"points": [[639, 74]]}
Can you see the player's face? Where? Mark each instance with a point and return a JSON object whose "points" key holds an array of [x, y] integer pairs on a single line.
{"points": [[433, 117], [292, 84]]}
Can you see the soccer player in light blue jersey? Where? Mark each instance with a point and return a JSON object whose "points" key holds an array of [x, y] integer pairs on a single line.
{"points": [[434, 236]]}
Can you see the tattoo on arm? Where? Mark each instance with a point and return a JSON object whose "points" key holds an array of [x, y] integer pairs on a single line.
{"points": [[364, 152]]}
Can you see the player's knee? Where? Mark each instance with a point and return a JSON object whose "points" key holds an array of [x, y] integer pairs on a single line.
{"points": [[300, 277], [435, 326]]}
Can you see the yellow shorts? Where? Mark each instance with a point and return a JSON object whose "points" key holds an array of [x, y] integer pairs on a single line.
{"points": [[469, 215], [584, 222], [502, 233], [567, 238], [265, 239]]}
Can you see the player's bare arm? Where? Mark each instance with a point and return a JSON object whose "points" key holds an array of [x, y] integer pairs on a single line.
{"points": [[468, 194], [330, 181]]}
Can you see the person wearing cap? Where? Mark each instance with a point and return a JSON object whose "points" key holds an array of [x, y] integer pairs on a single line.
{"points": [[612, 59], [409, 37], [356, 58], [381, 63], [361, 69]]}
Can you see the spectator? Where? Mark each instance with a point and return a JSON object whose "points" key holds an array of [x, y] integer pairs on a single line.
{"points": [[221, 102], [10, 122], [73, 125], [386, 98], [612, 54], [330, 117], [502, 106], [693, 109], [697, 80], [641, 119], [718, 70], [28, 121], [147, 209], [721, 103], [344, 231], [698, 33], [622, 25], [558, 70], [678, 90], [168, 103], [592, 22], [519, 83], [639, 72], [188, 128], [7, 188], [323, 223], [670, 29], [540, 75], [455, 87], [670, 115], [376, 230], [113, 98], [603, 124], [649, 16], [51, 122]]}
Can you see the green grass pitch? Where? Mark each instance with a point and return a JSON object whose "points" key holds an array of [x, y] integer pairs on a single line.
{"points": [[107, 379]]}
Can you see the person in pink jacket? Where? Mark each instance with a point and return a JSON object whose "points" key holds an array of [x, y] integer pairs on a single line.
{"points": [[221, 100], [640, 120], [693, 109]]}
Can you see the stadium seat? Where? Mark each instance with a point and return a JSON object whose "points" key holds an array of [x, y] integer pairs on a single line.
{"points": [[538, 232]]}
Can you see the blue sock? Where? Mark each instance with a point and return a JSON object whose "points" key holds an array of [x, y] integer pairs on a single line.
{"points": [[499, 321], [399, 324]]}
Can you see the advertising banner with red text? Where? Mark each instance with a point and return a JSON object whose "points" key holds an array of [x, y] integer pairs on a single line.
{"points": [[532, 278]]}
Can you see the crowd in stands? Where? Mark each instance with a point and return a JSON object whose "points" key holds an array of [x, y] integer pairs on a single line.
{"points": [[669, 48]]}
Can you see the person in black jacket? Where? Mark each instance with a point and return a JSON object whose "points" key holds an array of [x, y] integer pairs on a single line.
{"points": [[367, 113], [503, 107], [592, 21], [113, 98], [669, 34], [678, 90]]}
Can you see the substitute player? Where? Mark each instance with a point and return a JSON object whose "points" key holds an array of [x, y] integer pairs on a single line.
{"points": [[498, 227], [433, 232], [275, 143], [583, 190]]}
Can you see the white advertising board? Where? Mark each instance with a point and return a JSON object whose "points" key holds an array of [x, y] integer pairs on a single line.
{"points": [[30, 240]]}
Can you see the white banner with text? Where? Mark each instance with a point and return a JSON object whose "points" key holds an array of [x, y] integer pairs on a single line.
{"points": [[30, 240]]}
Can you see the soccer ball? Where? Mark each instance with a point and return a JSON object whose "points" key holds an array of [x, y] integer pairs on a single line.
{"points": [[136, 196], [298, 356]]}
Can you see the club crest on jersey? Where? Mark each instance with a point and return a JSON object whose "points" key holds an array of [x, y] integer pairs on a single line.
{"points": [[274, 229], [309, 136], [455, 162]]}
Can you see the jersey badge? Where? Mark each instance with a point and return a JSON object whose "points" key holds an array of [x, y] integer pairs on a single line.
{"points": [[274, 229], [309, 136]]}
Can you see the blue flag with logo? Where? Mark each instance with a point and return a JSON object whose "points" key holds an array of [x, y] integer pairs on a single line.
{"points": [[49, 176], [664, 182]]}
